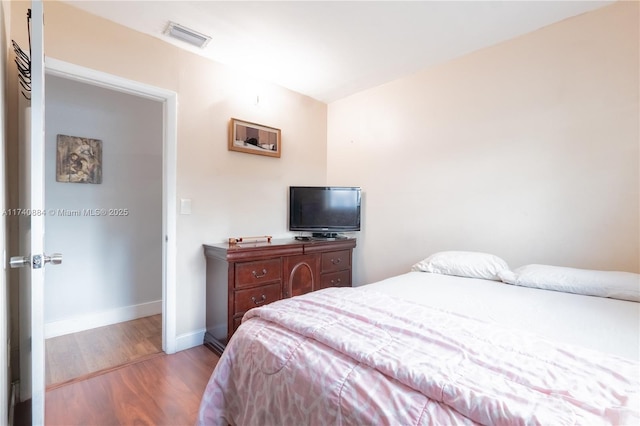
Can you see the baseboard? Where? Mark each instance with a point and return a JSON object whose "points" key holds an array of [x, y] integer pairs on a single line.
{"points": [[218, 331], [197, 338], [100, 319], [189, 340], [217, 346]]}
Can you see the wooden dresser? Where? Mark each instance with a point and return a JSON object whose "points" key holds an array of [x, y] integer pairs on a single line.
{"points": [[243, 276]]}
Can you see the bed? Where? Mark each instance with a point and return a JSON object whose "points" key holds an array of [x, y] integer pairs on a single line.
{"points": [[460, 339]]}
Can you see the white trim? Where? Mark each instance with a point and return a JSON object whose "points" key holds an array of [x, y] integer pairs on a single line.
{"points": [[35, 232], [100, 319], [82, 74], [190, 340], [169, 219], [169, 99]]}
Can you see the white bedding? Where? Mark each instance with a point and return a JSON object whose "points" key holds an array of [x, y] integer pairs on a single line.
{"points": [[607, 325]]}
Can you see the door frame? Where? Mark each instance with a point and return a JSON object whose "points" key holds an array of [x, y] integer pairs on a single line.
{"points": [[169, 100]]}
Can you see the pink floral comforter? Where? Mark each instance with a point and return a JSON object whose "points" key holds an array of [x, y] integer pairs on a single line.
{"points": [[348, 357]]}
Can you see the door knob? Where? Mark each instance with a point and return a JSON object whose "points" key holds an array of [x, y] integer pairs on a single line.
{"points": [[19, 261], [54, 259]]}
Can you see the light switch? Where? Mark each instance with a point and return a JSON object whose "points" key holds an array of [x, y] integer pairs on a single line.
{"points": [[185, 206]]}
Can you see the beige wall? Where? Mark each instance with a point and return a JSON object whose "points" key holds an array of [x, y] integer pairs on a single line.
{"points": [[232, 193], [528, 149]]}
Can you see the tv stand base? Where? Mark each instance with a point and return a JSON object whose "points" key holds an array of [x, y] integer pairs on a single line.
{"points": [[327, 236]]}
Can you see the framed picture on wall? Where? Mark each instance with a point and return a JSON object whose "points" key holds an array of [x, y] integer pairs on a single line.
{"points": [[254, 138], [78, 160]]}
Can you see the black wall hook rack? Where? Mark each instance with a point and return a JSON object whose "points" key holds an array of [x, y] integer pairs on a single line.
{"points": [[23, 62]]}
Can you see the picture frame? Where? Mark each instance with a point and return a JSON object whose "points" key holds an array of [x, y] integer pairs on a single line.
{"points": [[78, 159], [253, 138]]}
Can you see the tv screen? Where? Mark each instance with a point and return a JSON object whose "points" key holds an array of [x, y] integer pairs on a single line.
{"points": [[324, 210]]}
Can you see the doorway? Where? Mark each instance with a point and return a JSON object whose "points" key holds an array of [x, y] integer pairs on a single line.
{"points": [[31, 345], [106, 218]]}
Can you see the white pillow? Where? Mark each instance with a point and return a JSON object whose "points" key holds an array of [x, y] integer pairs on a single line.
{"points": [[613, 284], [463, 264]]}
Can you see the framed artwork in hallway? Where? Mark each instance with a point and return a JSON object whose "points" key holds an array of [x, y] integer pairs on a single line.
{"points": [[78, 160]]}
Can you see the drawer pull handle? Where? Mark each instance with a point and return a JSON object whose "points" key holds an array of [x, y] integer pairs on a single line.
{"points": [[336, 261], [338, 281], [259, 301], [263, 274]]}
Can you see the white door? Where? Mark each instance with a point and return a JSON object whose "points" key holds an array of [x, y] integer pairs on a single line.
{"points": [[31, 227]]}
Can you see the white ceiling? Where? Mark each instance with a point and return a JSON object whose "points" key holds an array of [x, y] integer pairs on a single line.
{"points": [[331, 49]]}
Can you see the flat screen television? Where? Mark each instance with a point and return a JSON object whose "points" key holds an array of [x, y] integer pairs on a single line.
{"points": [[325, 211]]}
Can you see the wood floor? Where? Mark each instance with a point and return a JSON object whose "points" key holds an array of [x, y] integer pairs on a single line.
{"points": [[80, 355], [148, 389], [164, 390]]}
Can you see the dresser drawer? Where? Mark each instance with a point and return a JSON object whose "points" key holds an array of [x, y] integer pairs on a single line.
{"points": [[244, 276], [336, 279], [336, 260], [258, 296], [258, 272]]}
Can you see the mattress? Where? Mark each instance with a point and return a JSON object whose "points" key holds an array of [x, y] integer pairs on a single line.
{"points": [[603, 324]]}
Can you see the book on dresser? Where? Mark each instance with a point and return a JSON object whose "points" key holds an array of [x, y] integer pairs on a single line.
{"points": [[243, 276]]}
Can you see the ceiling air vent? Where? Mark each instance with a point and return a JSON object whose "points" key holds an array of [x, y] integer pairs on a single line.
{"points": [[187, 35]]}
